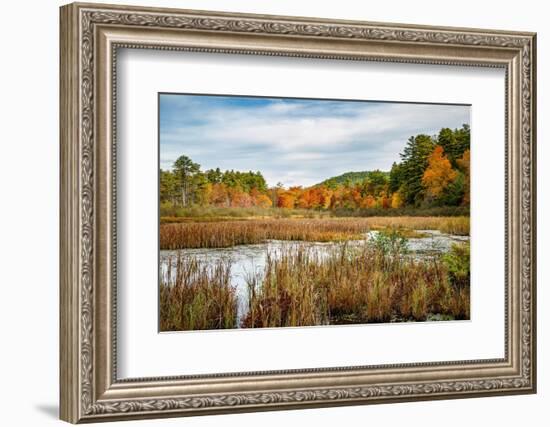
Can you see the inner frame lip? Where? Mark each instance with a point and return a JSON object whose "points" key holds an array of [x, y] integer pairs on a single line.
{"points": [[467, 364]]}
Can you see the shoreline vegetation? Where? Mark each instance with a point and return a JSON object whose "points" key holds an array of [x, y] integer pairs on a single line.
{"points": [[377, 282], [227, 233], [172, 213]]}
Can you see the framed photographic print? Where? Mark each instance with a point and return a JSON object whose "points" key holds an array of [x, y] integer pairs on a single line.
{"points": [[265, 212], [297, 242]]}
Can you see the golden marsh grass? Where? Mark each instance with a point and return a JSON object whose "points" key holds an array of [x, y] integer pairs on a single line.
{"points": [[301, 286], [194, 296], [219, 234], [351, 285]]}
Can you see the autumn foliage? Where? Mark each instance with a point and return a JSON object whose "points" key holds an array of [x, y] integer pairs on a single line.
{"points": [[439, 173], [434, 171]]}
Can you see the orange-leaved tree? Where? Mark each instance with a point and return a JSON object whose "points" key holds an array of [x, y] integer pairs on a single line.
{"points": [[263, 201], [287, 199], [439, 173]]}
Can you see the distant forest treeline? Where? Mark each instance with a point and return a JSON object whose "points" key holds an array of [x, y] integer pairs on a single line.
{"points": [[433, 171], [350, 178]]}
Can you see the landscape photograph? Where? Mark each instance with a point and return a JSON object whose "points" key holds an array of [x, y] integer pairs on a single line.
{"points": [[293, 212]]}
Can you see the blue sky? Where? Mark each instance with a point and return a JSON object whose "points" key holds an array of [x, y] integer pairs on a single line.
{"points": [[294, 141]]}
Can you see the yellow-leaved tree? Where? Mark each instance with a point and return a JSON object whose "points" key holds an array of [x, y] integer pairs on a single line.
{"points": [[396, 200], [439, 173]]}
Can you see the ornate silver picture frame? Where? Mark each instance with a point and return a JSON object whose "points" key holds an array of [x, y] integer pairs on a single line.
{"points": [[91, 35]]}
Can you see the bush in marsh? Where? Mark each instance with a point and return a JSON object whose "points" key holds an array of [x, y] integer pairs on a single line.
{"points": [[457, 261], [390, 241]]}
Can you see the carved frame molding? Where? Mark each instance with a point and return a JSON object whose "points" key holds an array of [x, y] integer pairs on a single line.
{"points": [[90, 37]]}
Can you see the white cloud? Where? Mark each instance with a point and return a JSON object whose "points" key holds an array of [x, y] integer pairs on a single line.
{"points": [[290, 142]]}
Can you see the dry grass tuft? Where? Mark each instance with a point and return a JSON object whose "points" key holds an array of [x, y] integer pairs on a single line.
{"points": [[194, 295]]}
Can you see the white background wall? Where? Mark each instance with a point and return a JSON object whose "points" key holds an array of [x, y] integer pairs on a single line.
{"points": [[29, 170]]}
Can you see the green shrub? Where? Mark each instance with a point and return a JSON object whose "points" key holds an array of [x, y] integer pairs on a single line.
{"points": [[390, 241], [457, 261]]}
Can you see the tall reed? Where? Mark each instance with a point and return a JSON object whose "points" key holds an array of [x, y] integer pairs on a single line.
{"points": [[459, 225], [303, 287], [231, 233], [195, 295]]}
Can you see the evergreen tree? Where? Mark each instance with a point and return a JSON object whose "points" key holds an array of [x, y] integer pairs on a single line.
{"points": [[454, 142], [168, 187], [396, 177], [214, 176], [184, 170], [415, 160]]}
